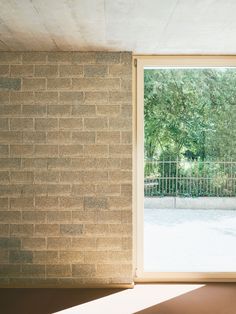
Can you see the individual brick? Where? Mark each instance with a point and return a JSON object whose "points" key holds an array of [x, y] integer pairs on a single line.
{"points": [[34, 137], [59, 216], [98, 84], [110, 217], [108, 137], [34, 57], [10, 137], [108, 110], [83, 271], [120, 96], [96, 149], [60, 57], [71, 257], [58, 136], [10, 163], [95, 70], [4, 150], [83, 137], [10, 83], [70, 123], [21, 150], [83, 57], [4, 124], [71, 150], [4, 203], [10, 110], [22, 70], [120, 124], [80, 216], [46, 98], [111, 243], [4, 97], [34, 163], [95, 203], [26, 98], [4, 230], [58, 270], [83, 244], [58, 83], [9, 270], [46, 176], [10, 57], [108, 58], [71, 229], [96, 123], [59, 163], [120, 176], [46, 202], [21, 123], [22, 203], [58, 243], [59, 110], [46, 230], [33, 271], [34, 244], [21, 257], [4, 177], [4, 257], [46, 71], [46, 150], [71, 70], [120, 70], [83, 110], [20, 230], [71, 97], [46, 123], [96, 97], [70, 202], [126, 137], [83, 189], [104, 270], [10, 243], [34, 110], [124, 150], [22, 176], [33, 84], [119, 202], [4, 70], [45, 257], [33, 216]]}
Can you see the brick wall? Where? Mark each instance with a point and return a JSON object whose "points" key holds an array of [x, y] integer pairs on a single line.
{"points": [[65, 169]]}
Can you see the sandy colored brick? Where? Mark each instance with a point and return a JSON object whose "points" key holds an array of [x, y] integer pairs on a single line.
{"points": [[108, 137], [112, 243], [42, 202], [22, 203], [10, 137], [20, 230], [4, 70], [71, 123], [71, 150], [116, 270], [21, 150], [32, 271], [58, 243], [58, 83], [4, 124], [98, 84], [120, 202], [21, 123], [108, 110], [22, 70], [96, 123], [83, 244], [4, 177], [85, 270], [26, 98], [120, 96], [59, 57], [71, 257], [59, 216], [96, 229], [71, 97], [71, 176], [34, 163], [95, 70], [84, 137], [96, 150], [58, 270], [120, 70], [46, 229], [34, 110], [111, 217], [96, 97], [58, 136], [45, 257], [108, 58], [46, 150], [59, 110], [120, 150], [46, 98], [3, 203], [4, 150], [34, 244], [4, 230], [46, 176], [10, 243], [46, 70], [10, 163], [83, 189], [95, 203], [33, 84], [46, 123], [71, 229], [120, 176], [83, 57], [34, 57], [120, 124], [33, 216], [71, 70], [70, 202], [83, 110]]}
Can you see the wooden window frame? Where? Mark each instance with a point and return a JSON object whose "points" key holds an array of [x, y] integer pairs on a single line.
{"points": [[139, 63]]}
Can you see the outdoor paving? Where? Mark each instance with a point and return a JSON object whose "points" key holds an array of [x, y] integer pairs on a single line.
{"points": [[189, 240]]}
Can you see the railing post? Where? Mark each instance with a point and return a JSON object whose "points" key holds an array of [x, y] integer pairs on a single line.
{"points": [[177, 174]]}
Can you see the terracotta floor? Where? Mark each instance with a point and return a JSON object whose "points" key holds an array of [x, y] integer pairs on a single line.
{"points": [[159, 299]]}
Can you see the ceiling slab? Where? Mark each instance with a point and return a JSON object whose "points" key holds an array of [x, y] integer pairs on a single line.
{"points": [[141, 26]]}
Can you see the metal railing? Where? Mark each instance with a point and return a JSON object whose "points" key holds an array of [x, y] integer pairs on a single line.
{"points": [[190, 178]]}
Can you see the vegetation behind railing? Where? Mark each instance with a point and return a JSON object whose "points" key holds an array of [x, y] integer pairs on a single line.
{"points": [[190, 178]]}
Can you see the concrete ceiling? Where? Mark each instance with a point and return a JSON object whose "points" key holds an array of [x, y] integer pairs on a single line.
{"points": [[141, 26]]}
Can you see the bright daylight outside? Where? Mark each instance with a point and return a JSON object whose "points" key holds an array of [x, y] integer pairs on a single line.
{"points": [[190, 170]]}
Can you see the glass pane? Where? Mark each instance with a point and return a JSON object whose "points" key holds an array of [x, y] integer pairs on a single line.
{"points": [[190, 170]]}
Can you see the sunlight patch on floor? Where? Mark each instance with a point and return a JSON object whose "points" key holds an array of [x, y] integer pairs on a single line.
{"points": [[132, 300]]}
